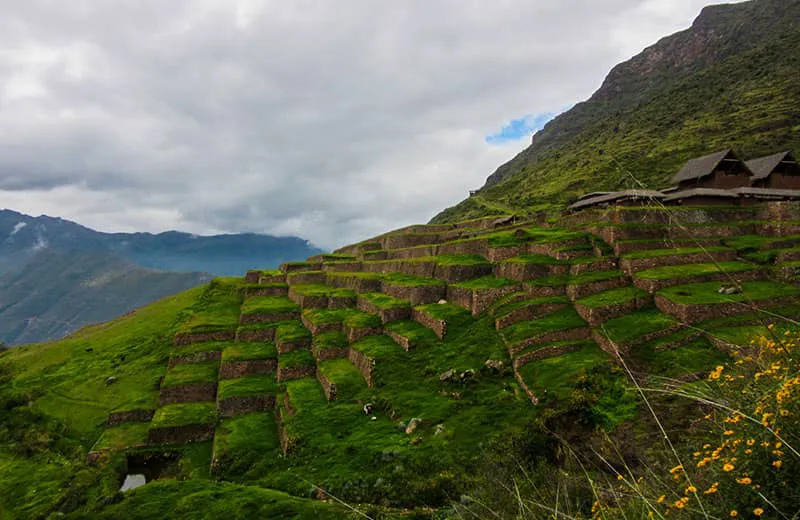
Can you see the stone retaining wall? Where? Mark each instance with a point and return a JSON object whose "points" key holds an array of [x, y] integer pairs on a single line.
{"points": [[320, 328], [293, 268], [355, 334], [621, 248], [329, 353], [198, 357], [181, 434], [607, 345], [279, 290], [575, 334], [284, 345], [364, 364], [252, 276], [416, 295], [575, 292], [597, 315], [470, 247], [236, 406], [402, 341], [341, 302], [651, 286], [522, 272], [525, 388], [194, 393], [414, 240], [327, 386], [693, 313], [189, 338], [255, 336], [355, 283], [631, 265], [530, 312], [308, 301], [543, 353], [499, 254], [461, 273], [266, 317], [386, 315], [424, 268], [285, 374], [478, 300], [545, 291], [439, 327], [234, 369], [117, 418], [595, 266], [413, 252], [346, 267]]}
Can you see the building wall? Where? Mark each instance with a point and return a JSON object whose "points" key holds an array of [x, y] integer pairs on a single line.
{"points": [[785, 177]]}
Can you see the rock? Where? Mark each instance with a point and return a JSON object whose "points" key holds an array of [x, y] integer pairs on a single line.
{"points": [[729, 289], [466, 375], [373, 418], [439, 429], [495, 366], [447, 376], [442, 302], [368, 409], [412, 425], [111, 380], [402, 426]]}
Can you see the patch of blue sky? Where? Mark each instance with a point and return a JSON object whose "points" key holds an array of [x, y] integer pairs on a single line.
{"points": [[523, 127]]}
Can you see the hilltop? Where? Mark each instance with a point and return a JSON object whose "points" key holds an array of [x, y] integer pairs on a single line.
{"points": [[728, 81], [398, 373]]}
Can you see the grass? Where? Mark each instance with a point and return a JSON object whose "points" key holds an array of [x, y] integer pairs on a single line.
{"points": [[357, 274], [695, 356], [560, 280], [296, 358], [554, 377], [292, 331], [268, 305], [246, 441], [322, 290], [508, 307], [123, 436], [191, 373], [247, 386], [707, 293], [675, 272], [216, 309], [326, 316], [375, 346], [769, 256], [362, 320], [535, 259], [384, 301], [345, 376], [447, 311], [412, 281], [637, 324], [486, 282], [330, 340], [652, 253], [613, 297], [249, 351], [563, 319], [417, 334], [184, 414]]}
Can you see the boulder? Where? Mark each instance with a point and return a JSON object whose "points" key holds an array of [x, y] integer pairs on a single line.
{"points": [[494, 366], [447, 376], [111, 380], [412, 425]]}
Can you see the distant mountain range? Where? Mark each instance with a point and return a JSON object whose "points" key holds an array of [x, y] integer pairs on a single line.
{"points": [[57, 276], [729, 81]]}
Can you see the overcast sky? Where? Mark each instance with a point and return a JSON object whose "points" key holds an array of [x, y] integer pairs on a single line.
{"points": [[331, 120]]}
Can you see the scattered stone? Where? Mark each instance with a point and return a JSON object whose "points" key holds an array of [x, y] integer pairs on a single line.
{"points": [[368, 409], [729, 289], [439, 429], [373, 418], [447, 376], [111, 380], [442, 302], [495, 366], [412, 425], [466, 375]]}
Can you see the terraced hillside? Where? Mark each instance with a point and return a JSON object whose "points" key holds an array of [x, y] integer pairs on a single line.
{"points": [[381, 374]]}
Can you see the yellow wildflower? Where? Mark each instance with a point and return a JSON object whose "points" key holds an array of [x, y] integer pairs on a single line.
{"points": [[777, 463], [661, 499], [734, 513], [758, 511], [744, 480], [728, 467]]}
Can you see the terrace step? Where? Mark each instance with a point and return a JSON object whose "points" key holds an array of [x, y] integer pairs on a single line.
{"points": [[329, 345], [272, 289], [437, 317], [546, 351], [297, 267], [340, 380], [558, 326], [410, 334], [529, 267], [291, 336], [615, 280], [650, 259], [631, 246], [478, 295], [257, 277], [239, 396], [653, 280], [386, 307], [603, 306], [527, 309]]}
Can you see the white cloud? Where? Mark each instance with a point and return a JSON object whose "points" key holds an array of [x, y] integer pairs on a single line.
{"points": [[330, 120]]}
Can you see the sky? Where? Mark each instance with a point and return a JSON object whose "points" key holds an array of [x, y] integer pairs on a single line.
{"points": [[333, 121]]}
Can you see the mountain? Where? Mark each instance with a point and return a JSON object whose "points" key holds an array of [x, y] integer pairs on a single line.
{"points": [[57, 292], [21, 236], [731, 80]]}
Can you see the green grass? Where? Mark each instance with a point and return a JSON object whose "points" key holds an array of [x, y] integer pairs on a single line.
{"points": [[362, 320], [535, 259], [769, 256], [326, 316], [249, 351], [506, 308], [418, 334], [384, 301], [561, 280], [412, 281], [345, 376], [183, 414], [296, 358], [216, 309], [486, 282], [448, 312], [268, 304], [674, 272], [552, 376], [376, 346], [330, 340], [291, 331], [563, 319], [706, 293], [322, 290], [246, 441], [461, 260], [696, 356], [359, 275], [613, 297], [640, 323], [247, 386], [653, 253], [123, 436], [191, 373]]}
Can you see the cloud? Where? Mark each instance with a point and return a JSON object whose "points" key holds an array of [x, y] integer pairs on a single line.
{"points": [[516, 129], [331, 120]]}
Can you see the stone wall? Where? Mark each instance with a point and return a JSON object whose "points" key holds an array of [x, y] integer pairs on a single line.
{"points": [[543, 353], [402, 241], [530, 312], [234, 369], [355, 334], [424, 268], [345, 267], [595, 266], [416, 295], [651, 286], [285, 345], [266, 317], [198, 357], [117, 418], [327, 386], [306, 278], [631, 265], [386, 315], [461, 273], [460, 296], [341, 302], [308, 301], [252, 276], [189, 338], [275, 290], [181, 434], [401, 340], [522, 272], [621, 248], [411, 252], [194, 393], [545, 291], [469, 247], [597, 315], [287, 373], [498, 254], [525, 388], [255, 336], [288, 268], [355, 283], [320, 328], [439, 327], [575, 334], [695, 313], [328, 353], [235, 406], [364, 364], [575, 292]]}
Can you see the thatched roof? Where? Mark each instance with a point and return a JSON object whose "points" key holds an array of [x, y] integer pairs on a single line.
{"points": [[701, 192], [615, 196], [767, 193], [592, 194], [764, 166], [702, 166]]}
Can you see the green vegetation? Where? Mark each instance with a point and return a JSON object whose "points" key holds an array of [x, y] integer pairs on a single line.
{"points": [[296, 358], [563, 319], [183, 414], [269, 304], [486, 282], [247, 386], [362, 320], [448, 312], [322, 290], [560, 280], [291, 332], [613, 297], [384, 301], [535, 259], [345, 376], [412, 281], [191, 373], [245, 441], [416, 333], [350, 274], [461, 260], [708, 293], [217, 309], [506, 308], [123, 436], [652, 253], [330, 340], [326, 316], [695, 356], [675, 272], [249, 351], [637, 324]]}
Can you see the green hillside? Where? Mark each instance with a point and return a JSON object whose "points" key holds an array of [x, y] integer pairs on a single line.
{"points": [[412, 375], [731, 80]]}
